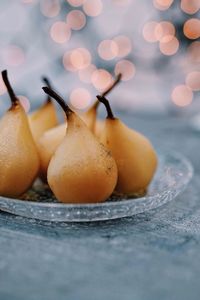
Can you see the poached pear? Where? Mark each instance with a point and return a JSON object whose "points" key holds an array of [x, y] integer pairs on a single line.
{"points": [[134, 154], [51, 138], [19, 160], [81, 170]]}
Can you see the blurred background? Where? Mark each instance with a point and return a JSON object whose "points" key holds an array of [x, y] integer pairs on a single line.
{"points": [[82, 44]]}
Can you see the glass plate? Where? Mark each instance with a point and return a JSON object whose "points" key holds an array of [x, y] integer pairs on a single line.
{"points": [[173, 174]]}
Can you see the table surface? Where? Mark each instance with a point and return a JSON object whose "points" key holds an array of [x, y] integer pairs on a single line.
{"points": [[154, 255]]}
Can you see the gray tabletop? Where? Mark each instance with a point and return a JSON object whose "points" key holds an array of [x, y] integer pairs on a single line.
{"points": [[154, 255]]}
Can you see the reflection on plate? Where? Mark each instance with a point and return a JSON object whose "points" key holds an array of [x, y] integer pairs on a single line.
{"points": [[173, 174]]}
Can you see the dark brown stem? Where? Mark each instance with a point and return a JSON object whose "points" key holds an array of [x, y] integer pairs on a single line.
{"points": [[107, 105], [108, 90], [59, 99], [47, 82], [11, 93]]}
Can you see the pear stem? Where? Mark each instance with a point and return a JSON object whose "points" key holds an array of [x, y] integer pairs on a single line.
{"points": [[11, 93], [107, 105], [49, 91], [108, 90], [47, 82]]}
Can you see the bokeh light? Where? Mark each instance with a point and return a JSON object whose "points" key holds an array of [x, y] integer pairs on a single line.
{"points": [[194, 52], [101, 79], [169, 45], [182, 95], [93, 8], [80, 98], [50, 8], [75, 3], [80, 58], [126, 68], [85, 75], [76, 19], [13, 55], [60, 32], [107, 49], [190, 6], [149, 32], [164, 28], [24, 102], [67, 63], [193, 80], [123, 44], [162, 4], [191, 28]]}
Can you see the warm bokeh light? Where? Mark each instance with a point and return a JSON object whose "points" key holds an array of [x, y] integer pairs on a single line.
{"points": [[93, 8], [182, 95], [149, 32], [75, 3], [191, 28], [193, 80], [67, 63], [164, 28], [101, 79], [13, 55], [126, 68], [50, 8], [169, 45], [60, 32], [162, 4], [123, 44], [76, 19], [2, 86], [194, 52], [190, 6], [80, 58], [165, 2], [24, 102], [80, 98], [107, 49], [85, 75]]}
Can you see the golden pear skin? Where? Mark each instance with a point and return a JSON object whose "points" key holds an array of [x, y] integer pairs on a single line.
{"points": [[135, 156], [81, 170], [43, 118], [99, 125], [47, 146], [19, 161]]}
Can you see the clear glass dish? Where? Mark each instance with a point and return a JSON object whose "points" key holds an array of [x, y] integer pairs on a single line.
{"points": [[173, 174]]}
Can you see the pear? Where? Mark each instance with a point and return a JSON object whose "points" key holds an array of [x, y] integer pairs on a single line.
{"points": [[47, 145], [81, 170], [135, 156], [43, 118], [19, 161], [51, 138]]}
